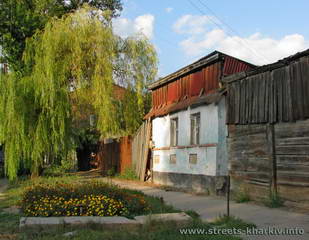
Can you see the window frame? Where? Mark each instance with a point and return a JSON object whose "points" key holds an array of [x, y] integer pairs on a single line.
{"points": [[174, 129], [195, 128]]}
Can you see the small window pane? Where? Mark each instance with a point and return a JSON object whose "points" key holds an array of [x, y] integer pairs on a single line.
{"points": [[193, 158], [173, 159], [174, 132], [156, 159], [195, 129]]}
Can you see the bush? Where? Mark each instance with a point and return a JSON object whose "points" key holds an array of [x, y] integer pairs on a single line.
{"points": [[128, 174], [82, 199], [242, 195], [274, 201]]}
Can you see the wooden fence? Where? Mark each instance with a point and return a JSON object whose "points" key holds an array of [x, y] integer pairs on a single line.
{"points": [[115, 156], [141, 149], [276, 95], [268, 122]]}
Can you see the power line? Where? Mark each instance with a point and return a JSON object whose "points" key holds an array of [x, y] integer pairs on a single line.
{"points": [[241, 41], [229, 27]]}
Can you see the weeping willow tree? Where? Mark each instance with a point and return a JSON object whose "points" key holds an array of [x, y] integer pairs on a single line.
{"points": [[77, 57]]}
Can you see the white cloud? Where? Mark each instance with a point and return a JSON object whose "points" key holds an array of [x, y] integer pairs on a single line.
{"points": [[169, 9], [191, 24], [125, 27], [256, 48]]}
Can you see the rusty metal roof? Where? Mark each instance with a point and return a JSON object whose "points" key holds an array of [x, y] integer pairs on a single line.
{"points": [[207, 60]]}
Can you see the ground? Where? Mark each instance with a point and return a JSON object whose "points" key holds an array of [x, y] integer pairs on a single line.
{"points": [[208, 207]]}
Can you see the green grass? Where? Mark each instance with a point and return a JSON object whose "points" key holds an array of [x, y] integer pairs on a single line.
{"points": [[150, 231], [242, 197], [129, 174], [274, 201], [15, 190], [232, 222]]}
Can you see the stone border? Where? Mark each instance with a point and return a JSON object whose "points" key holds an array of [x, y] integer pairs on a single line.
{"points": [[178, 218]]}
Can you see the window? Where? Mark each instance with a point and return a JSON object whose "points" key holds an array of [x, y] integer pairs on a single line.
{"points": [[173, 159], [156, 159], [174, 132], [195, 129], [193, 158]]}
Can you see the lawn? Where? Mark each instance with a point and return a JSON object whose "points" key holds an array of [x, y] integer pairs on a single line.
{"points": [[153, 230]]}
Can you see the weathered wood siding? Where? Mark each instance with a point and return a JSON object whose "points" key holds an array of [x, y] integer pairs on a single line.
{"points": [[254, 165], [292, 158], [268, 143], [140, 149], [277, 95], [250, 162]]}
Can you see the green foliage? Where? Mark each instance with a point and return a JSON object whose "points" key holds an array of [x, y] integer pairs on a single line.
{"points": [[66, 166], [193, 214], [111, 172], [20, 19], [232, 222], [128, 174], [78, 51], [242, 197], [274, 201]]}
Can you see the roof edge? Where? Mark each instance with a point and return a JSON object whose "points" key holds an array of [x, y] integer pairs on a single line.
{"points": [[268, 67], [212, 57]]}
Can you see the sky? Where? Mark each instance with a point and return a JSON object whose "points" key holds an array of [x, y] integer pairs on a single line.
{"points": [[182, 31]]}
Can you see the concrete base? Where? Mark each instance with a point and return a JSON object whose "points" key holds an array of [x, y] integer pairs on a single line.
{"points": [[213, 185], [178, 218]]}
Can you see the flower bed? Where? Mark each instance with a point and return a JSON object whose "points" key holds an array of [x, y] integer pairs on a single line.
{"points": [[83, 199]]}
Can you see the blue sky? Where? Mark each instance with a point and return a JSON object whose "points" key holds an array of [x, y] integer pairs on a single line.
{"points": [[183, 31]]}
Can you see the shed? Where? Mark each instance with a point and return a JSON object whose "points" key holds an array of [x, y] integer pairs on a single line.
{"points": [[268, 127]]}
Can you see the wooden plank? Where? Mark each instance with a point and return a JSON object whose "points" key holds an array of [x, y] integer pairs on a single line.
{"points": [[293, 74], [249, 103], [255, 100], [262, 100], [290, 113], [292, 130], [272, 157], [295, 168], [146, 149], [278, 92], [302, 160], [247, 106], [237, 102], [271, 99], [243, 101], [293, 149], [300, 88], [292, 141], [267, 84], [304, 70], [231, 103]]}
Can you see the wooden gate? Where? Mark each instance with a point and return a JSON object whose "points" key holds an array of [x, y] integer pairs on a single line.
{"points": [[141, 149]]}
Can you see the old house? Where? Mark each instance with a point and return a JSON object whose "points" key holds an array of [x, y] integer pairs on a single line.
{"points": [[188, 124], [268, 131]]}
